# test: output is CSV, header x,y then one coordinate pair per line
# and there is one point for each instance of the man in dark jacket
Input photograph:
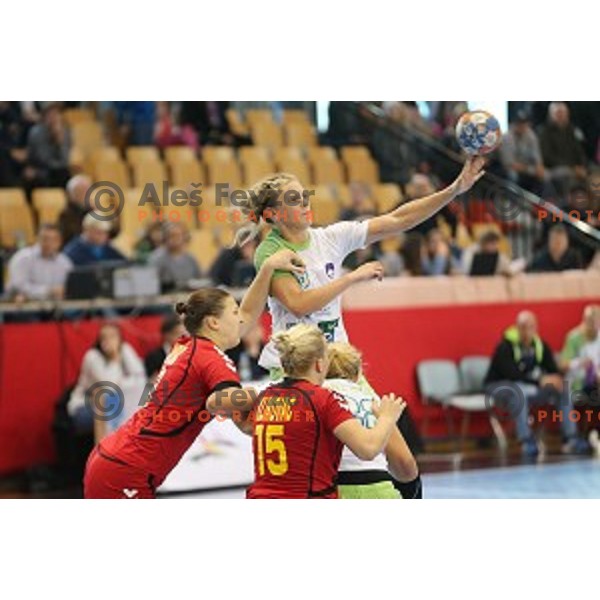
x,y
522,373
92,246
562,151
557,256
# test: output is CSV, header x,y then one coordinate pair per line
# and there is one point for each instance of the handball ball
x,y
478,132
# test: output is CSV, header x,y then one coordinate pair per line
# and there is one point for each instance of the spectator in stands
x,y
170,330
176,266
209,121
521,155
39,272
114,361
153,239
561,149
136,121
12,151
167,130
523,373
436,258
72,216
557,256
245,355
412,253
489,243
580,356
421,185
48,147
361,206
234,267
92,245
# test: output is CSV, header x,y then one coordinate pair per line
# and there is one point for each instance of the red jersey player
x,y
299,428
134,461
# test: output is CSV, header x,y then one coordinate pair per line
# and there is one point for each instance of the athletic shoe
x,y
576,445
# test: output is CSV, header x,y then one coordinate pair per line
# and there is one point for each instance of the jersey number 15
x,y
269,442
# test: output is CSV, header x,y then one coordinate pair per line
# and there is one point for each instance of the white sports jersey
x,y
323,255
359,400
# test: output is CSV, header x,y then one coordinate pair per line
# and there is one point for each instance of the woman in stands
x,y
391,473
299,428
110,359
196,376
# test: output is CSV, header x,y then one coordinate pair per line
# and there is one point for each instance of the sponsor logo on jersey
x,y
330,270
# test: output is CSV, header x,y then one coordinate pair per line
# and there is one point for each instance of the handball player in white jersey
x,y
315,296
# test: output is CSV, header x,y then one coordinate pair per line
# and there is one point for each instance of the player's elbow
x,y
366,449
297,306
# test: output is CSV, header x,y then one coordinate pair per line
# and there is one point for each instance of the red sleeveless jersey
x,y
158,434
296,454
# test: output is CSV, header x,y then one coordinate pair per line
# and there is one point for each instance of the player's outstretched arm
x,y
412,213
303,302
365,443
255,298
231,401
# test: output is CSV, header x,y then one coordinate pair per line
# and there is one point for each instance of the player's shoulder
x,y
267,247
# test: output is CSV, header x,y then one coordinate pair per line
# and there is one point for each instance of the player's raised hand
x,y
471,173
368,271
390,407
286,260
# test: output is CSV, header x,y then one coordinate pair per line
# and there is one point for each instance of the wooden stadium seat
x,y
295,116
254,152
114,171
102,154
203,247
327,171
184,173
179,154
73,116
211,154
87,136
236,123
363,170
11,197
324,206
136,155
267,134
387,196
350,153
256,116
49,203
256,168
288,153
135,217
153,172
300,134
224,172
295,166
185,214
320,153
77,160
16,225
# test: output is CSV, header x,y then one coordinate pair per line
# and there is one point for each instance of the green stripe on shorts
x,y
383,490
